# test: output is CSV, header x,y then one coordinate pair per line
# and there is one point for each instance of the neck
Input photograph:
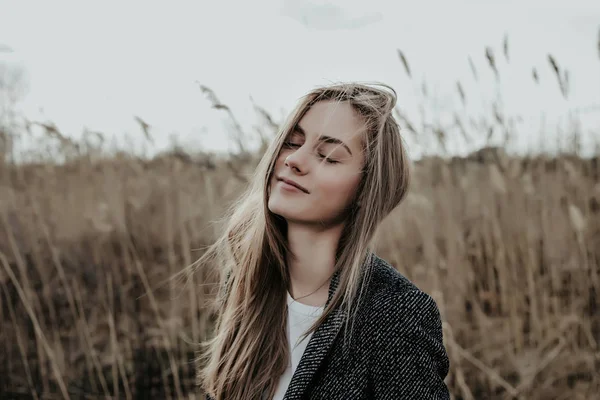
x,y
313,261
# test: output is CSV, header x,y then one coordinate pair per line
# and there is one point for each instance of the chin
x,y
287,212
282,211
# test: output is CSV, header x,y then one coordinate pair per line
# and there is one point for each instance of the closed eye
x,y
296,145
292,145
329,160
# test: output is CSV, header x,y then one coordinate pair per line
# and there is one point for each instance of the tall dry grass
x,y
508,246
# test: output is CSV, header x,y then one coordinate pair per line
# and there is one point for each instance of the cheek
x,y
279,165
339,188
280,162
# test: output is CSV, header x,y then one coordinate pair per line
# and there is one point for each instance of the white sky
x,y
99,64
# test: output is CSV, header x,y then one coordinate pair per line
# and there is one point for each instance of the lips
x,y
291,182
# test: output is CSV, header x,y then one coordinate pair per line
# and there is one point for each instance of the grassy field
x,y
508,246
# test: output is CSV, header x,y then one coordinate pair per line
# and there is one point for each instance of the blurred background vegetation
x,y
507,244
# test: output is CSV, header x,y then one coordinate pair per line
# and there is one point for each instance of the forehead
x,y
333,118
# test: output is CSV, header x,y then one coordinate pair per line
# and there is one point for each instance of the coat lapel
x,y
317,348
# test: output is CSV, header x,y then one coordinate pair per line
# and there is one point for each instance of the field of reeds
x,y
509,247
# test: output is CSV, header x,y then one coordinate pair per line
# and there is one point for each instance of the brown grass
x,y
509,249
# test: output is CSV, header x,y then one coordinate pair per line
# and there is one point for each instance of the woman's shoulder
x,y
405,345
386,281
394,297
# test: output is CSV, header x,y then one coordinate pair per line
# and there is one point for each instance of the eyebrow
x,y
324,138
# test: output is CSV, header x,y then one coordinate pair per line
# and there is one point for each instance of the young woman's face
x,y
324,155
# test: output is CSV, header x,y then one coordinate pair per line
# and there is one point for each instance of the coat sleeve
x,y
410,361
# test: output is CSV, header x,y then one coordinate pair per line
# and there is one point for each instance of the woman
x,y
306,310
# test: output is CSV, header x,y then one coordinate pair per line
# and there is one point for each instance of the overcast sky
x,y
97,65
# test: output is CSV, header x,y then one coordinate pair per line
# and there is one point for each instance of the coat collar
x,y
317,348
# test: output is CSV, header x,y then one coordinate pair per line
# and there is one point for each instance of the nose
x,y
296,161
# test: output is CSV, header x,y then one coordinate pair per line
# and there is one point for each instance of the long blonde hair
x,y
249,351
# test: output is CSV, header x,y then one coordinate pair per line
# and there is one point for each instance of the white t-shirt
x,y
300,318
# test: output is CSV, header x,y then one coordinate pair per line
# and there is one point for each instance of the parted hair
x,y
249,350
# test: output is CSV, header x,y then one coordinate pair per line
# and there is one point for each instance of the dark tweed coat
x,y
395,350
